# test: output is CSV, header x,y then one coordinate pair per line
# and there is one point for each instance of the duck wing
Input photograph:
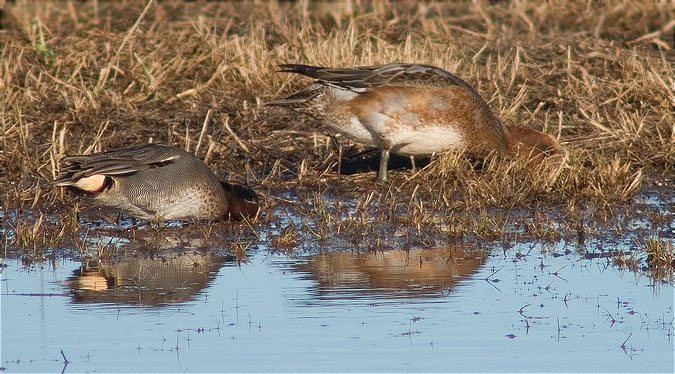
x,y
359,79
123,161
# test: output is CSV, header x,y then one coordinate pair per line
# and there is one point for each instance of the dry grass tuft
x,y
660,258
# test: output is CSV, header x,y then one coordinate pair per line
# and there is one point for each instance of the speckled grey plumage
x,y
156,182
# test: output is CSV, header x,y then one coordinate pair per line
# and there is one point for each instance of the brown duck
x,y
411,110
156,182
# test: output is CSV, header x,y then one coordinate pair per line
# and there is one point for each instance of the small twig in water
x,y
623,345
558,320
493,273
65,360
521,311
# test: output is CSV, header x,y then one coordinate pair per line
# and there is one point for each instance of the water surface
x,y
534,307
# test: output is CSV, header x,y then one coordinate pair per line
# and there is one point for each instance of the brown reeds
x,y
92,76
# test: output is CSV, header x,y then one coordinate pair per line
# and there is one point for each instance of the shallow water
x,y
130,299
525,308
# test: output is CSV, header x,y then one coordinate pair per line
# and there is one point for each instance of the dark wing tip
x,y
64,181
308,70
292,67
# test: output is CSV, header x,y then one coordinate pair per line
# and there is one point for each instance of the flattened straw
x,y
227,127
201,134
106,71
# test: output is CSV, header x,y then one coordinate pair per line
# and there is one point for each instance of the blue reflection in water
x,y
449,309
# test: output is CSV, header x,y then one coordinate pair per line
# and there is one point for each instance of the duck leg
x,y
384,160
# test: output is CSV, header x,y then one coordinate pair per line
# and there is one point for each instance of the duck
x,y
154,182
410,110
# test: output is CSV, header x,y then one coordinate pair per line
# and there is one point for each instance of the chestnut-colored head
x,y
531,144
242,201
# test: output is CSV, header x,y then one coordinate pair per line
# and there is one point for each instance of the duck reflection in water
x,y
169,279
391,273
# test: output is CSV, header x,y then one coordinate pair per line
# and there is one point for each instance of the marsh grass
x,y
84,77
660,257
